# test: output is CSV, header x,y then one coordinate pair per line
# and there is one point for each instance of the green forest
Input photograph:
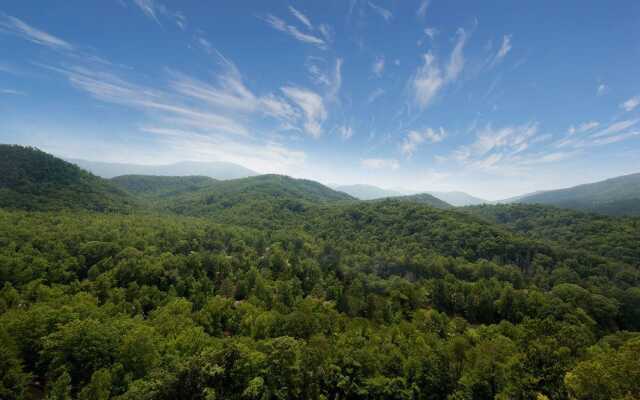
x,y
271,287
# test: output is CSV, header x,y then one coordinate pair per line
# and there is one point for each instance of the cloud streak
x,y
430,78
383,12
631,104
17,27
312,107
280,25
415,138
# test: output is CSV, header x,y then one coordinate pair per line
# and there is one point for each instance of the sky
x,y
494,98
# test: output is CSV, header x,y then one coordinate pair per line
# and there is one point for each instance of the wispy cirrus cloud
x,y
584,127
378,66
505,150
427,81
415,138
12,92
422,9
312,106
154,9
380,163
631,104
383,12
301,17
345,131
601,89
430,78
14,26
456,60
293,31
616,127
504,49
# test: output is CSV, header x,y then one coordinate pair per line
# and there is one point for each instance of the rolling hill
x,y
259,201
215,170
34,180
422,198
615,196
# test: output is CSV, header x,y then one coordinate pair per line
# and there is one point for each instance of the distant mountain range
x,y
615,196
370,192
216,170
34,180
367,192
458,199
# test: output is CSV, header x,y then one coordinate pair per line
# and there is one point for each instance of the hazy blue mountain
x,y
615,196
216,170
458,199
366,192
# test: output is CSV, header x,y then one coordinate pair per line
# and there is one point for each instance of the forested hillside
x,y
276,288
616,196
423,198
34,180
162,186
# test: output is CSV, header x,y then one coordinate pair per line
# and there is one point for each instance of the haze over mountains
x,y
216,170
616,196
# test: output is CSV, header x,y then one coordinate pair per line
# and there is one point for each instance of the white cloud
x,y
616,138
631,104
616,127
12,92
265,156
422,9
427,81
345,131
311,105
148,7
301,17
336,83
294,32
429,78
414,138
378,66
383,12
584,127
375,95
15,26
431,32
501,146
456,61
326,32
504,48
602,89
380,163
153,9
199,120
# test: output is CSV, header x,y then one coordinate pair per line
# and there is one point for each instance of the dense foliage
x,y
617,196
423,198
162,186
34,180
615,238
274,288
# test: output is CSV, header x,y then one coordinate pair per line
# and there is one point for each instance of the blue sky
x,y
494,98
